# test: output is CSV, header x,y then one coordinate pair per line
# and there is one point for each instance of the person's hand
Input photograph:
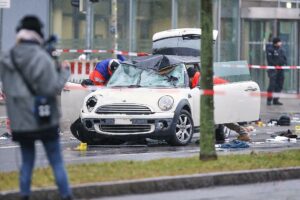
x,y
87,82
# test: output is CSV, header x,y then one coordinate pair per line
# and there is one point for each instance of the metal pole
x,y
114,24
89,27
174,13
1,28
132,25
239,31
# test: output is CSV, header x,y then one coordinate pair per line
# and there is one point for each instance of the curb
x,y
162,184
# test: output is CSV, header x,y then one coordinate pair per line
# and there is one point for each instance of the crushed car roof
x,y
161,62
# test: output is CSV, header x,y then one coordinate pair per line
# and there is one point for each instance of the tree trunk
x,y
207,129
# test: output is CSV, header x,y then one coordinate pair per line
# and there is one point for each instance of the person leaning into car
x,y
194,77
275,57
31,102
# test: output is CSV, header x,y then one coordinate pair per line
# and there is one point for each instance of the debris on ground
x,y
281,139
5,136
81,147
234,144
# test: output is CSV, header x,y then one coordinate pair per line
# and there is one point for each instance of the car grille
x,y
128,109
117,129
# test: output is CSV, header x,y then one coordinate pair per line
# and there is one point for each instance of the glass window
x,y
234,71
229,30
131,76
188,14
152,16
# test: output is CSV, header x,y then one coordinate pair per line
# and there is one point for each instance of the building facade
x,y
245,26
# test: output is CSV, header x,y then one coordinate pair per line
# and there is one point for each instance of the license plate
x,y
123,121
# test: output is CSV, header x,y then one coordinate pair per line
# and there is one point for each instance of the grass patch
x,y
127,170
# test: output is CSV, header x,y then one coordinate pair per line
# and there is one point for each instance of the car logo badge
x,y
124,101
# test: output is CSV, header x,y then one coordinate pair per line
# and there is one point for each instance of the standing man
x,y
275,57
31,81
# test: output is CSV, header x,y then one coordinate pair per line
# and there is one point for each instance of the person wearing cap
x,y
194,78
275,57
103,71
29,74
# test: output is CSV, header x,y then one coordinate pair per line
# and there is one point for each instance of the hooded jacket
x,y
41,72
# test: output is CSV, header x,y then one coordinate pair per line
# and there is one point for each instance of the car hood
x,y
143,96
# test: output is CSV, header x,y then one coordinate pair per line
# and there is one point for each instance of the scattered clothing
x,y
235,144
287,134
281,139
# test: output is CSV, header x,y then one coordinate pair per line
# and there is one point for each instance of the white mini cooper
x,y
151,97
147,98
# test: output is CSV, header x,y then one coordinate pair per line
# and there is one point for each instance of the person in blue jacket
x,y
103,71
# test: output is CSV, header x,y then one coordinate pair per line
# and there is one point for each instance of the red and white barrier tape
x,y
258,66
273,67
124,53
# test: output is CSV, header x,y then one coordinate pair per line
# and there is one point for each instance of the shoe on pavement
x,y
244,137
269,103
277,103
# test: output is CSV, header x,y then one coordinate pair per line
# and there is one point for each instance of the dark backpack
x,y
284,121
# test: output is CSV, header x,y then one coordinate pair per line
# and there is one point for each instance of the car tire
x,y
183,129
85,136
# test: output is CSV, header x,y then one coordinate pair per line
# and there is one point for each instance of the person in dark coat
x,y
275,57
31,81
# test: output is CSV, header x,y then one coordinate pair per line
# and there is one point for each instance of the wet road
x,y
10,157
281,190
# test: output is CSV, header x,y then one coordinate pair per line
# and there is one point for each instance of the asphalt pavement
x,y
10,157
279,190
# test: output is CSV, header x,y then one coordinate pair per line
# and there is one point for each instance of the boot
x,y
269,101
25,198
244,138
276,102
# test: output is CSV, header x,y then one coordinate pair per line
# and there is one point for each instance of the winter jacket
x,y
276,56
41,72
101,73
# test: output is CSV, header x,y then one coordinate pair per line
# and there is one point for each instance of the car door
x,y
234,101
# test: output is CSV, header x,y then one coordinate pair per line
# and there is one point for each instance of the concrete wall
x,y
18,9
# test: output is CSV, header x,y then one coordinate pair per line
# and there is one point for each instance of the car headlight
x,y
91,103
165,103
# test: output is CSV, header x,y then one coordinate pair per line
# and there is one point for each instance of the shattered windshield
x,y
131,76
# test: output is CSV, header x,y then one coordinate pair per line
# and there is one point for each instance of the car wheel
x,y
80,133
183,131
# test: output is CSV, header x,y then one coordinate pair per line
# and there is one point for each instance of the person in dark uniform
x,y
275,57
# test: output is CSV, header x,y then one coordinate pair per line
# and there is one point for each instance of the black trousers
x,y
276,78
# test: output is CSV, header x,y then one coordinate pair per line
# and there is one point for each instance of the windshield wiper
x,y
134,86
172,79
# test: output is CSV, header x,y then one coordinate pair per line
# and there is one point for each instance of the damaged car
x,y
151,97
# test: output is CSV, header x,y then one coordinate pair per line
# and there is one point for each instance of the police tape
x,y
232,65
137,54
273,67
124,53
74,86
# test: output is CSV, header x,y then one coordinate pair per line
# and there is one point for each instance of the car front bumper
x,y
154,126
